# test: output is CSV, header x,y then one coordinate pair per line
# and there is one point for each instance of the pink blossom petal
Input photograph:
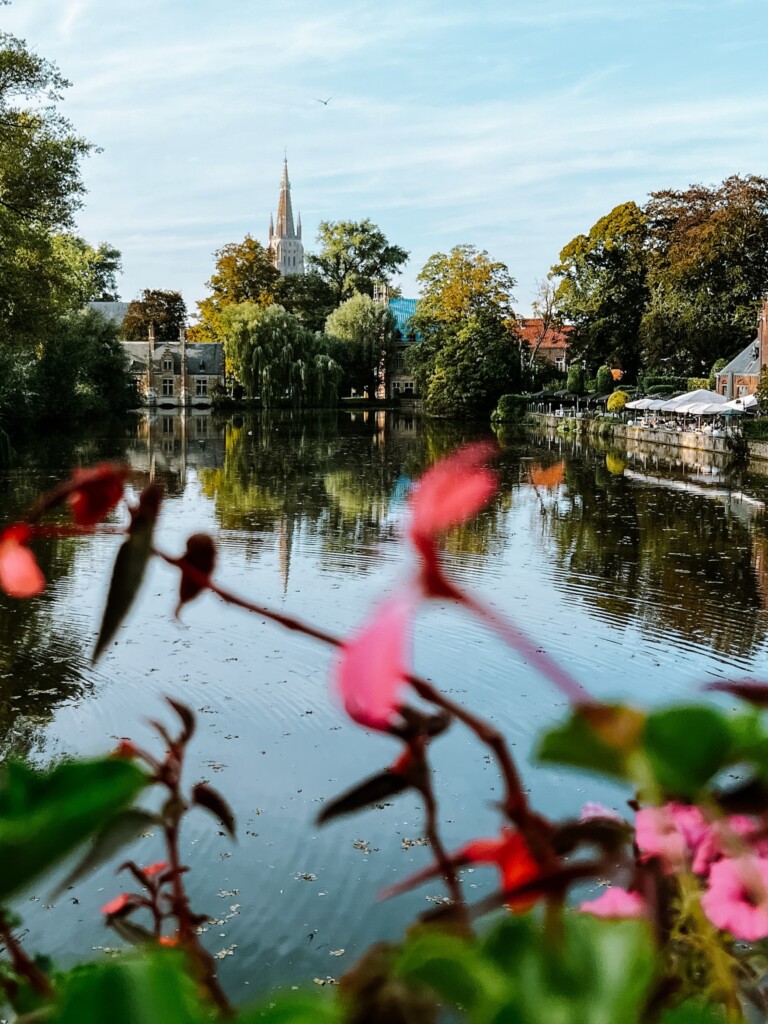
x,y
615,902
20,575
663,832
592,810
372,667
737,897
724,837
453,490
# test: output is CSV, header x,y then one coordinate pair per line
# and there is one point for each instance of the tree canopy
x,y
275,358
464,283
353,257
365,331
243,272
163,309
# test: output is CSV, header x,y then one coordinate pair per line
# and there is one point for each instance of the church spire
x,y
285,228
284,240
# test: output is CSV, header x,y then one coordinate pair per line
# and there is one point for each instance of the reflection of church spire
x,y
284,545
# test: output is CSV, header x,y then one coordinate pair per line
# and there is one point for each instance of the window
x,y
167,362
167,424
399,361
202,426
409,387
742,389
201,386
560,363
395,388
167,387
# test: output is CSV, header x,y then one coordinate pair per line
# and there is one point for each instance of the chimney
x,y
151,337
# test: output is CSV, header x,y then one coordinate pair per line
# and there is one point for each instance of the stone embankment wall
x,y
619,431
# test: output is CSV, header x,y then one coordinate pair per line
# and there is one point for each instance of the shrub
x,y
575,382
510,407
697,384
617,401
651,380
604,380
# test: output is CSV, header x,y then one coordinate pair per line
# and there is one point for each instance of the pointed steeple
x,y
284,240
285,228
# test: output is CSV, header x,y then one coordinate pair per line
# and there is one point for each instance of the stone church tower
x,y
285,240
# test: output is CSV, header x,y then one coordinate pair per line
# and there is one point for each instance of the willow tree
x,y
275,358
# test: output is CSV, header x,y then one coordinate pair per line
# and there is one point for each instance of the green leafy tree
x,y
353,257
244,272
87,274
478,363
463,283
275,358
40,190
364,331
308,296
602,288
707,271
163,309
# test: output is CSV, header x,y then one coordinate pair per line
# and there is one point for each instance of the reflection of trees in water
x,y
671,560
41,659
333,476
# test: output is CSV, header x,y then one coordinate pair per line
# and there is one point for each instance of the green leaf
x,y
694,1011
597,972
296,1009
149,989
108,841
686,746
457,971
576,743
130,565
45,815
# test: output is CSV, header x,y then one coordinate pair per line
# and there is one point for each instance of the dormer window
x,y
167,362
202,364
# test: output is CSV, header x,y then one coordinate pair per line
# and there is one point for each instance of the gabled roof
x,y
202,357
530,331
746,363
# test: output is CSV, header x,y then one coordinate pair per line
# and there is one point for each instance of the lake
x,y
645,575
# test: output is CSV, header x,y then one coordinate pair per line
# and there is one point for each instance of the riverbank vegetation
x,y
55,360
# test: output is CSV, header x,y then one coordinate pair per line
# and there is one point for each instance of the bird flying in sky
x,y
326,102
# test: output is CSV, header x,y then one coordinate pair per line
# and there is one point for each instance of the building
x,y
742,375
169,373
284,239
398,382
550,345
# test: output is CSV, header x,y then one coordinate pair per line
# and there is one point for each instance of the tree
x,y
308,296
465,304
274,357
40,190
353,257
603,290
717,366
163,309
477,364
244,272
575,383
707,271
365,331
460,285
546,312
89,275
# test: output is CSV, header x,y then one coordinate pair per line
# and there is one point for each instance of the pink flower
x,y
670,833
372,668
592,810
20,575
737,897
452,491
722,839
615,902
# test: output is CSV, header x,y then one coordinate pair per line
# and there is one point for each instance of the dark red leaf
x,y
750,690
130,565
201,557
187,717
609,835
90,491
207,797
370,791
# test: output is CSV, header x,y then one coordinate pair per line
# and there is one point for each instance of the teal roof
x,y
402,310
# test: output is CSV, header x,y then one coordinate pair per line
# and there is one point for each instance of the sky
x,y
511,125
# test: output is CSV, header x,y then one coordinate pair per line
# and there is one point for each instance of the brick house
x,y
552,343
175,373
742,375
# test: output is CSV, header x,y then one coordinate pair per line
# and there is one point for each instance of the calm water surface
x,y
646,579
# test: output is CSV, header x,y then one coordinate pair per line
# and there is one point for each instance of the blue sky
x,y
509,124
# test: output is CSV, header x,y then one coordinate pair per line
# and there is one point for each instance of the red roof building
x,y
552,343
